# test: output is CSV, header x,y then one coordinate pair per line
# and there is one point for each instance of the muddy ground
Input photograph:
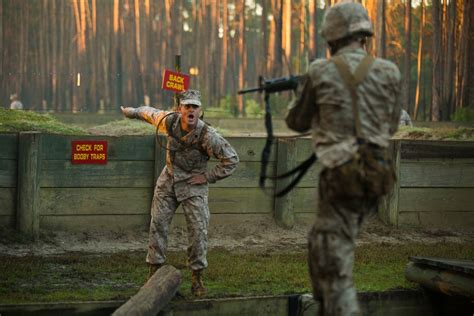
x,y
262,237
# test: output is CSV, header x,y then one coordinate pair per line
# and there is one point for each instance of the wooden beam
x,y
154,295
29,165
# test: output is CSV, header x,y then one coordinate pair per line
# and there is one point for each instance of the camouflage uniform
x,y
187,155
324,94
405,119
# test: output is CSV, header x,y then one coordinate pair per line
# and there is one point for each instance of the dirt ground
x,y
262,237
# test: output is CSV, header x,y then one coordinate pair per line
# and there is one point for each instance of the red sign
x,y
92,152
174,81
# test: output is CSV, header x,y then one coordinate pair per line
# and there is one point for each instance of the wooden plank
x,y
446,220
130,201
311,178
305,200
121,174
408,219
58,147
29,164
245,176
7,221
120,223
304,148
8,173
9,146
95,223
454,265
436,199
437,149
142,147
7,201
95,201
60,173
437,173
250,148
241,201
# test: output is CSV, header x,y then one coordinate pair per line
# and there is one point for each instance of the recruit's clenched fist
x,y
129,112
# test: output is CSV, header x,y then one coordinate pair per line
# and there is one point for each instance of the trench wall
x,y
40,188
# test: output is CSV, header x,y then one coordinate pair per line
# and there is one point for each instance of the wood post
x,y
154,295
286,160
29,167
388,206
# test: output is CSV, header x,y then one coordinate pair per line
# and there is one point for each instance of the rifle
x,y
269,86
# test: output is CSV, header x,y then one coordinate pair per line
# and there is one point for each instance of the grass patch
x,y
14,121
79,277
441,133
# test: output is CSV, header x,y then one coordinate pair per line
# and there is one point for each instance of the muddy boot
x,y
152,269
197,287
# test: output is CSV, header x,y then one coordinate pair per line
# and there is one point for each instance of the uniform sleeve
x,y
302,108
219,147
150,115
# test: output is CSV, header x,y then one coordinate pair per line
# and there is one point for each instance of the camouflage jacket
x,y
187,154
323,103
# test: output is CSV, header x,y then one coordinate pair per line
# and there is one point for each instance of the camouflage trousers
x,y
197,215
331,244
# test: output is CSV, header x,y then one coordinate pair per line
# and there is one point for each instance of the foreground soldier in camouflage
x,y
352,104
184,180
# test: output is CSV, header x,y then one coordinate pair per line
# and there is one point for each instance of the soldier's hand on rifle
x,y
197,179
129,112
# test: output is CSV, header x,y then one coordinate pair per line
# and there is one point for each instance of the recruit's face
x,y
189,116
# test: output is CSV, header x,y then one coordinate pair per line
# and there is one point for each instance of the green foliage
x,y
441,133
19,121
81,277
124,127
463,115
252,108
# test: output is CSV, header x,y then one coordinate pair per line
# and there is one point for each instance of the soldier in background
x,y
352,104
184,180
405,119
16,104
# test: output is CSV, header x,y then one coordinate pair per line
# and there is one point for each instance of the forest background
x,y
97,55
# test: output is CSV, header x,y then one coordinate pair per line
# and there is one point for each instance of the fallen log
x,y
154,295
450,277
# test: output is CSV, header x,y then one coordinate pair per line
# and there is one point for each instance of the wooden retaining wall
x,y
39,187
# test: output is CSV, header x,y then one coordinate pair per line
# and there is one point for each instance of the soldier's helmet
x,y
345,19
190,97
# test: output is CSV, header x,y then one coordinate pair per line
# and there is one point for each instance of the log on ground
x,y
154,295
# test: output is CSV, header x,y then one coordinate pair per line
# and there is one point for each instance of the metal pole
x,y
177,68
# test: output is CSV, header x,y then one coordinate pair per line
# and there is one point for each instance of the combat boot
x,y
152,269
197,286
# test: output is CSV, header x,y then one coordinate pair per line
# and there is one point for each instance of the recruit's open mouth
x,y
191,116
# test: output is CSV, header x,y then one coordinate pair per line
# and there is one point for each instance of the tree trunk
x,y
224,49
436,84
407,58
277,10
419,60
380,29
286,34
240,9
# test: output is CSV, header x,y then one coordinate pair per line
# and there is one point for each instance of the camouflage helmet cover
x,y
190,97
345,19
